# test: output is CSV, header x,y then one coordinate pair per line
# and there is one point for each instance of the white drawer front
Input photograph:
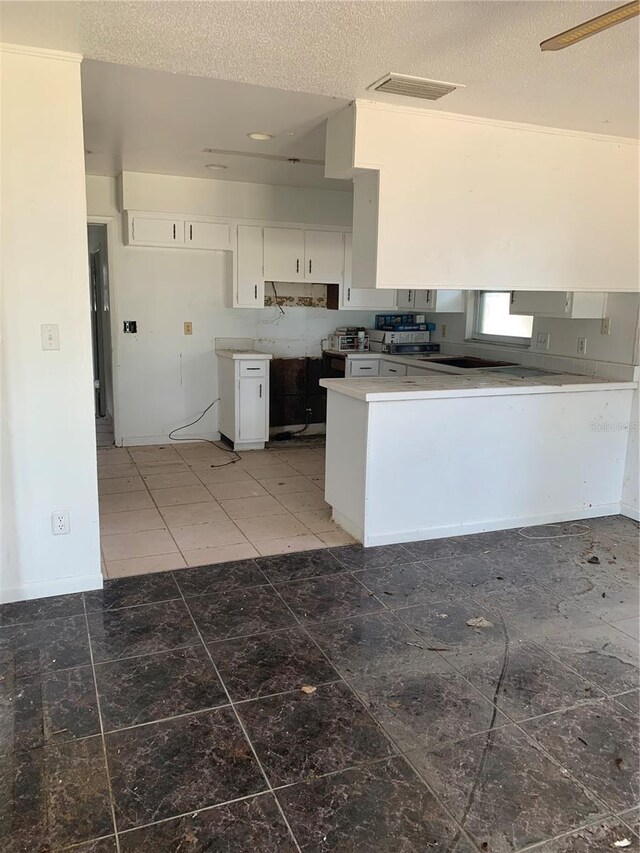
x,y
253,368
364,367
390,368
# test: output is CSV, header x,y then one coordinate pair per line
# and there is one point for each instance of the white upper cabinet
x,y
436,301
359,297
154,230
249,287
323,257
561,303
199,234
284,254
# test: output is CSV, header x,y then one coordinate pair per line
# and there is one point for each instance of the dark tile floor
x,y
472,694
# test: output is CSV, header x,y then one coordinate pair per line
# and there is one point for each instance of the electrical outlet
x,y
582,346
443,330
605,326
188,328
543,339
60,523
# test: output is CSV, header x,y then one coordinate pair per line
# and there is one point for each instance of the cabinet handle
x,y
261,390
253,368
297,264
255,291
410,296
174,230
513,296
364,368
191,232
309,265
348,294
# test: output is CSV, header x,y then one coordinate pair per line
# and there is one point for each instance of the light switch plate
x,y
50,335
188,328
542,340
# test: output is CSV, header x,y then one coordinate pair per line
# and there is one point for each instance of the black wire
x,y
275,293
207,440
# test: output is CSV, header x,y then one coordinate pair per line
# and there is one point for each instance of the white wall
x,y
48,431
466,202
163,378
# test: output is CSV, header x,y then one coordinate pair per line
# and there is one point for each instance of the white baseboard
x,y
485,526
142,440
630,511
47,588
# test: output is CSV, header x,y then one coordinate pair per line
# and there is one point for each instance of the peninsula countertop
x,y
390,389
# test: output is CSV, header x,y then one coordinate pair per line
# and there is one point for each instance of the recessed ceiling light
x,y
214,166
259,135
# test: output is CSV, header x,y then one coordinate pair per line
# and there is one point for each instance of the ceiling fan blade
x,y
593,26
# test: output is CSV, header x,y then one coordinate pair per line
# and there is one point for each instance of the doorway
x,y
101,331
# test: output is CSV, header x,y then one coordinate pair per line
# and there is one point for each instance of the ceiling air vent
x,y
413,87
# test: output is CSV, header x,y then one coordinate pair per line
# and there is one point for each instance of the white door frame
x,y
110,222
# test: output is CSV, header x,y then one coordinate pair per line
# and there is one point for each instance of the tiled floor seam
x,y
540,845
399,753
242,726
112,803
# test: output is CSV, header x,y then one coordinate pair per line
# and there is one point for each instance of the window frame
x,y
484,337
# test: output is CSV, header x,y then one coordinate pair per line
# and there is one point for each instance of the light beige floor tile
x,y
253,507
336,537
288,485
112,455
258,456
154,453
131,522
304,501
147,543
269,469
201,450
288,545
147,468
119,485
196,536
309,468
171,481
249,488
318,479
125,502
223,554
120,469
181,495
271,527
317,520
225,474
185,514
144,565
293,456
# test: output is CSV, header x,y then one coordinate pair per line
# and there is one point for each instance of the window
x,y
493,321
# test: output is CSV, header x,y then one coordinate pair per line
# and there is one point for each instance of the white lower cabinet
x,y
393,368
362,367
243,387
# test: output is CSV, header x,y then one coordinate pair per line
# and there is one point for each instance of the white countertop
x,y
479,384
243,353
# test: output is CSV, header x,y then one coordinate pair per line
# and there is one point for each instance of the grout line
x,y
242,726
112,803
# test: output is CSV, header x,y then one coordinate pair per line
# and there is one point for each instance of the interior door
x,y
283,254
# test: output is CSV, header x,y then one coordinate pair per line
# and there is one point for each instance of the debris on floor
x,y
308,689
479,622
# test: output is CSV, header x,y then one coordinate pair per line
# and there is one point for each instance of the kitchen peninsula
x,y
429,457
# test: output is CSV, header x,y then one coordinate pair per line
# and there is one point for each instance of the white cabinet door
x,y
392,368
573,306
323,256
252,409
283,254
361,298
249,290
406,299
206,235
155,231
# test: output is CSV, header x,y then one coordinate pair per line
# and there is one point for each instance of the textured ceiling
x,y
339,48
151,121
